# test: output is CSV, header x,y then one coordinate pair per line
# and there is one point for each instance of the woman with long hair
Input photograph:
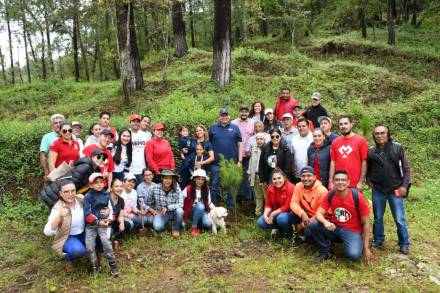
x,y
122,154
257,111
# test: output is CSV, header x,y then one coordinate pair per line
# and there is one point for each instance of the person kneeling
x,y
349,221
165,202
197,202
277,213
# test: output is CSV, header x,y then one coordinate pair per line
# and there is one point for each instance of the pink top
x,y
246,129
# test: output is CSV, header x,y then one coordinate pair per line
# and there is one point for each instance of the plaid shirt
x,y
157,198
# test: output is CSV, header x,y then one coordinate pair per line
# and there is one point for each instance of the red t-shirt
x,y
66,152
344,213
159,155
279,198
348,154
282,107
88,153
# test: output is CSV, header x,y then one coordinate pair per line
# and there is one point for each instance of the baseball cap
x,y
287,115
316,96
95,176
129,176
99,153
223,111
269,110
307,169
320,118
158,126
244,107
76,123
107,131
135,117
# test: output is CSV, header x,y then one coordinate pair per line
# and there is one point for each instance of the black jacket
x,y
312,113
388,168
284,161
80,177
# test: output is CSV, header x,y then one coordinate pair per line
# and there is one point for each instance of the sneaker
x,y
298,241
69,266
376,244
323,256
175,234
404,250
113,269
194,231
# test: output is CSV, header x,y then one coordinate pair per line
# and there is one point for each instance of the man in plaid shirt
x,y
165,203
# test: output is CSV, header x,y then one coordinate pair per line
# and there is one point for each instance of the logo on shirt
x,y
345,150
272,161
342,215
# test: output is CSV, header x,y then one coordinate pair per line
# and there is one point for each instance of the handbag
x,y
59,171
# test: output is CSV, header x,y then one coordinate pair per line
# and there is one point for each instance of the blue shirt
x,y
224,140
47,141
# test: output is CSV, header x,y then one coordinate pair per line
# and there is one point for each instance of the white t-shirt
x,y
124,158
77,225
300,145
130,200
138,141
198,197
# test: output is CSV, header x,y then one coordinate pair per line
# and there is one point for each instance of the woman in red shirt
x,y
64,149
277,213
158,151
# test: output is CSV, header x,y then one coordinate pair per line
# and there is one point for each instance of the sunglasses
x,y
101,157
274,136
67,130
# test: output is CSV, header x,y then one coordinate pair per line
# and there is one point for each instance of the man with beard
x,y
307,197
226,140
285,104
349,152
389,174
246,127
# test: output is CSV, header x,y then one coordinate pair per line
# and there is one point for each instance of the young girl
x,y
184,142
195,159
94,131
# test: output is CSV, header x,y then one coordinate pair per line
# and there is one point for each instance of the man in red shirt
x,y
349,222
104,121
349,152
104,140
285,104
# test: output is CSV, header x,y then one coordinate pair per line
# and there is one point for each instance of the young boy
x,y
254,180
98,212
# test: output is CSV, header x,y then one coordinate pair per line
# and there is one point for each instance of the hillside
x,y
374,82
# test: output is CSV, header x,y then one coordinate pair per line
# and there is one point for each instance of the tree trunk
x,y
414,13
264,26
390,23
109,44
362,23
10,45
19,71
131,72
179,34
221,65
49,45
28,67
405,10
145,18
83,49
99,57
43,57
31,46
157,30
2,61
75,47
191,25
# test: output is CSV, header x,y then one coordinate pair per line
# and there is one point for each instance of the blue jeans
x,y
283,221
176,216
397,210
215,182
353,243
74,246
245,187
138,221
199,215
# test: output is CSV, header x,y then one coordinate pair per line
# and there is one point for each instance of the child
x,y
184,142
98,212
254,179
130,196
197,159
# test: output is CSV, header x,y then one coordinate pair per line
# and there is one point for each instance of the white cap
x,y
269,110
200,173
129,176
287,115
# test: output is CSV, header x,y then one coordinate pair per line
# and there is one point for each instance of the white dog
x,y
217,217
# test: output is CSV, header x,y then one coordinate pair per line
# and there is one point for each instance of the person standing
x,y
318,156
257,111
349,152
48,140
298,113
285,104
252,172
158,151
389,174
325,123
64,149
246,127
226,140
315,110
139,140
269,122
288,132
349,222
300,144
77,129
104,121
145,123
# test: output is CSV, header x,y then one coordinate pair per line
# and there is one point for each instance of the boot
x,y
113,269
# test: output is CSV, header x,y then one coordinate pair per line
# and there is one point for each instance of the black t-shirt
x,y
118,206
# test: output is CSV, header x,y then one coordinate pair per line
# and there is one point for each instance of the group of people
x,y
305,180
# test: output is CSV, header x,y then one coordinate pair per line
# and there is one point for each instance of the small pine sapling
x,y
231,177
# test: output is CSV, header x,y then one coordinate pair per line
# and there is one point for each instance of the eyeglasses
x,y
67,130
100,157
274,136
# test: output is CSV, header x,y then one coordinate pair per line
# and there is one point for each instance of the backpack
x,y
355,194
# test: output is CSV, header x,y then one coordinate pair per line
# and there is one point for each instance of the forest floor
x,y
366,78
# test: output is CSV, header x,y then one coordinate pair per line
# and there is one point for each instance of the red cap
x,y
135,117
158,126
